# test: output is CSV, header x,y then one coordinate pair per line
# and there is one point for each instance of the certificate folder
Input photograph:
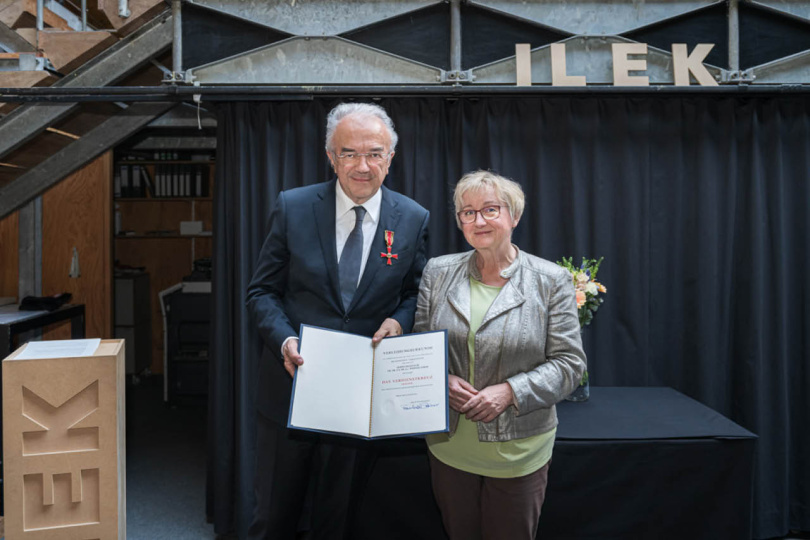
x,y
347,386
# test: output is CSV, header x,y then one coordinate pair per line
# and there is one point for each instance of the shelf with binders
x,y
163,194
161,180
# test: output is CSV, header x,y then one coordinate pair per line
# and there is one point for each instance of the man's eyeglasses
x,y
488,213
372,158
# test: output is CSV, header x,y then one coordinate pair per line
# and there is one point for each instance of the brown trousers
x,y
478,507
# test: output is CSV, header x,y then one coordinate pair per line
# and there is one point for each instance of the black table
x,y
630,463
14,322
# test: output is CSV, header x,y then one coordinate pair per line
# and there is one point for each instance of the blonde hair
x,y
508,191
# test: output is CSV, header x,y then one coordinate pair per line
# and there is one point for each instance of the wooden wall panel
x,y
204,212
9,255
145,216
167,260
76,212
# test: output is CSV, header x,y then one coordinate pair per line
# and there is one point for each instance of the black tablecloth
x,y
648,463
630,463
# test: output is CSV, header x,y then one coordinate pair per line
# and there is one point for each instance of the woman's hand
x,y
489,403
460,392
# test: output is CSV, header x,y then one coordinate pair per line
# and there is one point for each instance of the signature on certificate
x,y
419,406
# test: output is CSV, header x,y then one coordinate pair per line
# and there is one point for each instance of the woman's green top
x,y
463,451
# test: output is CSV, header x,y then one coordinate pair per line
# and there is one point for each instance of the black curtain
x,y
699,205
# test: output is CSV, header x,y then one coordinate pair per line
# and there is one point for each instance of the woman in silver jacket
x,y
514,351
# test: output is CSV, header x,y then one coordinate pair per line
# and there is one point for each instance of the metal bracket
x,y
737,77
457,76
173,77
747,76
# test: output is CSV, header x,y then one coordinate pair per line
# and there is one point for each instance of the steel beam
x,y
40,17
733,36
594,17
110,66
30,250
185,116
12,41
316,18
799,10
177,143
793,69
107,135
177,42
301,93
315,61
455,35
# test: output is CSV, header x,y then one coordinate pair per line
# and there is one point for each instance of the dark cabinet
x,y
133,319
188,326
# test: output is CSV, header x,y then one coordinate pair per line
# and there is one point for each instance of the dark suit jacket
x,y
296,279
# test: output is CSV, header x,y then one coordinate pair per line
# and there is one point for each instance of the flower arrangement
x,y
588,301
587,288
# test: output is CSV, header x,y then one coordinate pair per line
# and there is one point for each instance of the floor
x,y
165,466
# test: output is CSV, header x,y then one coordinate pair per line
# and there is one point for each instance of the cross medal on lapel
x,y
389,241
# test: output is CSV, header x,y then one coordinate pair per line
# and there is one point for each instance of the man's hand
x,y
291,357
489,403
460,392
389,327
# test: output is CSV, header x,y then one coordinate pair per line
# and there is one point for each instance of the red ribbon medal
x,y
389,241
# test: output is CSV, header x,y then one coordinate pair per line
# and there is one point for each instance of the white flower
x,y
591,289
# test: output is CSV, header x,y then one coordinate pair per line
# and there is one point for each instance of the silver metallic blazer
x,y
529,337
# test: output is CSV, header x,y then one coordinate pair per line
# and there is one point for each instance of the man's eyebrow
x,y
374,149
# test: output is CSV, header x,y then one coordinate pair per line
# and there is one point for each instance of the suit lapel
x,y
324,210
389,217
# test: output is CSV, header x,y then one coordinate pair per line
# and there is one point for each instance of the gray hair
x,y
360,109
508,191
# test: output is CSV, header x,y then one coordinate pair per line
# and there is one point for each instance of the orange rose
x,y
602,288
580,299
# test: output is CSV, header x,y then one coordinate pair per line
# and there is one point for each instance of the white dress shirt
x,y
345,219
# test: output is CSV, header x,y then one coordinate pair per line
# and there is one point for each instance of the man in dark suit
x,y
325,263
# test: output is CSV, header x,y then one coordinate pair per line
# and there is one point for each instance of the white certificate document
x,y
347,386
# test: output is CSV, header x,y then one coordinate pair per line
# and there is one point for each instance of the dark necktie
x,y
350,259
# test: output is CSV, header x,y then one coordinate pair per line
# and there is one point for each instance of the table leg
x,y
77,326
6,342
